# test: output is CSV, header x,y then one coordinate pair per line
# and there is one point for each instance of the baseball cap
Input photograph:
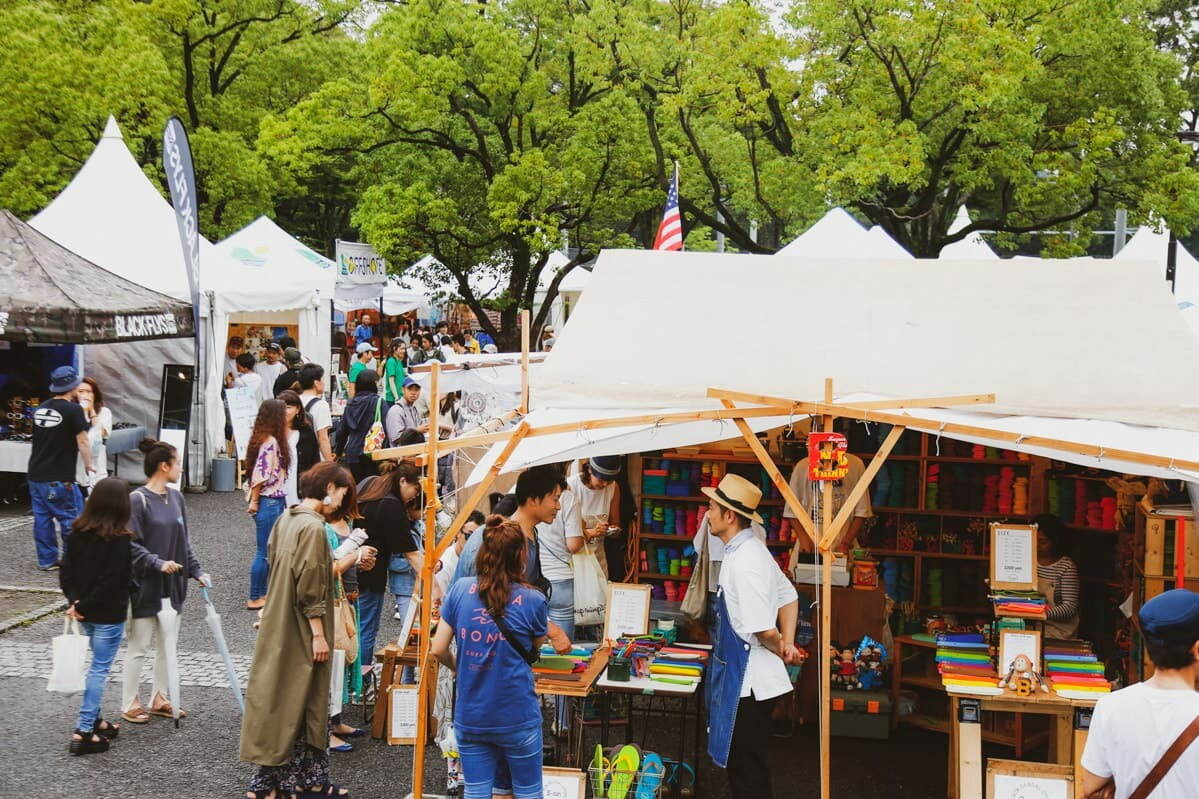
x,y
366,346
273,346
235,341
63,379
409,381
1172,617
292,355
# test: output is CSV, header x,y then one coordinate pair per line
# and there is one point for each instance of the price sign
x,y
628,610
1013,557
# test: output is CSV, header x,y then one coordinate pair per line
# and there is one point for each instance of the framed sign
x,y
402,715
828,456
1017,779
563,783
628,610
1013,643
410,617
243,409
1013,557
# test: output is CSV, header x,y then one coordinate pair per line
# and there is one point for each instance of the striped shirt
x,y
1063,605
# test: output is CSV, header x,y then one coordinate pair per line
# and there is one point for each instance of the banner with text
x,y
361,272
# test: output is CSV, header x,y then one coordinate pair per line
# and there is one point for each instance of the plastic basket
x,y
595,778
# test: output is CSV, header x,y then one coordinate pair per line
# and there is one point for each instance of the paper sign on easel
x,y
402,715
243,408
1013,557
628,610
1016,779
410,617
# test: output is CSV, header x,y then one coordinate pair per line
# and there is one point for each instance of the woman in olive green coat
x,y
285,730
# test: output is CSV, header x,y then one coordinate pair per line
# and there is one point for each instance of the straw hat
x,y
738,495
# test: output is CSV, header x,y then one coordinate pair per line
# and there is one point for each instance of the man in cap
x,y
1147,728
269,369
757,608
405,413
364,359
59,435
291,375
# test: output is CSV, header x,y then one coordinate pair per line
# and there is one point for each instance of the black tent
x,y
50,295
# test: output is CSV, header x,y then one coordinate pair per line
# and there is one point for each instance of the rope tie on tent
x,y
1099,457
940,430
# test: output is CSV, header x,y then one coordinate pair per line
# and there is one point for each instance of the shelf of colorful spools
x,y
700,498
952,512
919,553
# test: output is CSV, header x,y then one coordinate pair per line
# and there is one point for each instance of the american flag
x,y
670,232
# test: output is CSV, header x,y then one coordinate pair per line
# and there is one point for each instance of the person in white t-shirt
x,y
449,559
233,348
246,377
1132,728
753,587
312,396
269,369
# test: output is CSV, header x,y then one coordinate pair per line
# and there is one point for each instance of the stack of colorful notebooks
x,y
1073,669
1019,604
964,662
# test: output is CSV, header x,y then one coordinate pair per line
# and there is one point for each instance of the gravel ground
x,y
200,759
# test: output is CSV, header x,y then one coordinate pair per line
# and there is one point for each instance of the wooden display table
x,y
546,685
1067,736
392,658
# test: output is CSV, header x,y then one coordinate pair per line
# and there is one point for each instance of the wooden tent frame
x,y
827,538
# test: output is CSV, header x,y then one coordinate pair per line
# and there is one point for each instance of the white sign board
x,y
1013,643
1013,557
359,264
563,783
1009,786
628,610
243,408
402,715
178,440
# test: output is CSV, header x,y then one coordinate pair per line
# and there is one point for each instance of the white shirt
x,y
1130,731
754,586
252,381
449,562
322,418
551,539
290,486
96,435
268,372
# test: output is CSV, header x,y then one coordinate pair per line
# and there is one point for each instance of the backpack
x,y
308,451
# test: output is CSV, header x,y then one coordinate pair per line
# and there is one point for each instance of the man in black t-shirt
x,y
59,435
291,375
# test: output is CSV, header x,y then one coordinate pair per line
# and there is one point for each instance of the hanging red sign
x,y
828,456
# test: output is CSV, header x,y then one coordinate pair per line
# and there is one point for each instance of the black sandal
x,y
89,742
109,730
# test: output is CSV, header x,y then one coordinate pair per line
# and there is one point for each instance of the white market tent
x,y
971,248
884,245
569,290
839,235
114,216
1050,339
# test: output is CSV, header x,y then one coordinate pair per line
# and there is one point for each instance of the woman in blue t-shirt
x,y
500,751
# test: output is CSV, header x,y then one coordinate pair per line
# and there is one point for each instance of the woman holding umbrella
x,y
162,561
285,729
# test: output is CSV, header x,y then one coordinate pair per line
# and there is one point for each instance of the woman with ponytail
x,y
163,560
268,459
499,622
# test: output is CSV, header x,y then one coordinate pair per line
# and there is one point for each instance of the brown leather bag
x,y
1159,771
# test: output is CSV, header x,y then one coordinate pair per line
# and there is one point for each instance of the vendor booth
x,y
984,401
53,299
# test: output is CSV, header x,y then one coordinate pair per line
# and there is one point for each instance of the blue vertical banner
x,y
181,181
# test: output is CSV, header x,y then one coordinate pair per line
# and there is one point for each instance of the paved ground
x,y
200,759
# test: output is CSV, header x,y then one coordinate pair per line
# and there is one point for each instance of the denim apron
x,y
726,675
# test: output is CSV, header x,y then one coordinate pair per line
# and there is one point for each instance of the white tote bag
x,y
591,587
337,680
69,673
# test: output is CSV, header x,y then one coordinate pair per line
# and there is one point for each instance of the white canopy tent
x,y
1149,245
884,245
839,235
1057,353
569,290
971,248
113,215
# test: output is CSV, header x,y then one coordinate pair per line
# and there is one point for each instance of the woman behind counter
x,y
285,729
1057,578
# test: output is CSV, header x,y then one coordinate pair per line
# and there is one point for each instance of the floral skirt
x,y
308,768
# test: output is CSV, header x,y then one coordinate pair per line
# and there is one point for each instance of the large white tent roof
x,y
1062,345
114,216
264,268
838,235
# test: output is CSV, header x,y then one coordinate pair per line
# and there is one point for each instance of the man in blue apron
x,y
750,653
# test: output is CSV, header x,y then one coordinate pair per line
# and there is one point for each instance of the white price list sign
x,y
628,610
1013,557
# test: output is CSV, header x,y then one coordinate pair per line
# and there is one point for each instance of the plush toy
x,y
1023,676
846,672
870,675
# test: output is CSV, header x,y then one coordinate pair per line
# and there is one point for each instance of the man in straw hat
x,y
749,669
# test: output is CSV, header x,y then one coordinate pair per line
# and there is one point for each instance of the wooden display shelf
x,y
701,498
667,456
923,681
1080,529
900,553
926,721
660,576
971,514
947,459
666,537
960,609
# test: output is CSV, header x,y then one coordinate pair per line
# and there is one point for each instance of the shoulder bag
x,y
695,601
1159,771
524,652
345,628
375,437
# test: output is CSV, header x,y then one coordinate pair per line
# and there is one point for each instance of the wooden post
x,y
826,617
834,538
427,684
524,361
1180,552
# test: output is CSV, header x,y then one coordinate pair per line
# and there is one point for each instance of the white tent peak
x,y
829,235
971,248
884,245
111,129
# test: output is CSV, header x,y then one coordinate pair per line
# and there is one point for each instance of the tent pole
x,y
833,538
826,616
524,361
427,679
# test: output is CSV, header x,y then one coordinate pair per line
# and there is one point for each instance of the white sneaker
x,y
398,617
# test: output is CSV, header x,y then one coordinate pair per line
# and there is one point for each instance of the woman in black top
x,y
95,580
384,502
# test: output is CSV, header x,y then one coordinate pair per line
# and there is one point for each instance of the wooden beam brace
x,y
975,431
776,477
480,491
427,680
926,402
833,538
472,440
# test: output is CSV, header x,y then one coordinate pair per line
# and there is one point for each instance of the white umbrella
x,y
214,625
168,642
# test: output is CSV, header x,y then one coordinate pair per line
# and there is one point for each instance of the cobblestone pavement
x,y
200,758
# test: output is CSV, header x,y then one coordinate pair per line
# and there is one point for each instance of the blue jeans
x,y
105,640
507,762
562,613
52,502
370,606
269,510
